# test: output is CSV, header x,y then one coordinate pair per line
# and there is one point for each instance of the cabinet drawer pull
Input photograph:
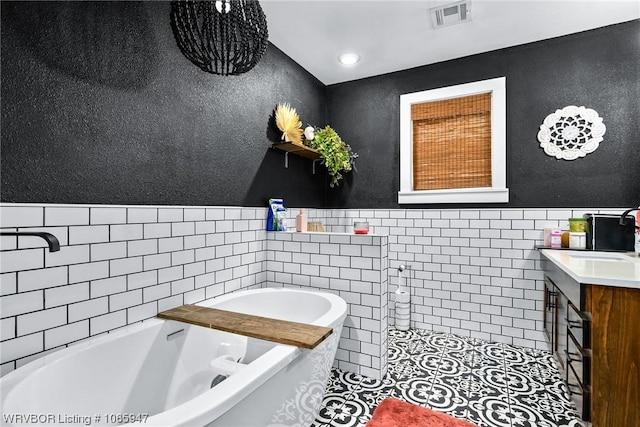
x,y
551,295
579,383
585,317
583,352
578,390
570,357
575,389
573,324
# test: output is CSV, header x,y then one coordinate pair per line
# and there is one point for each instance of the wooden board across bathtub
x,y
265,328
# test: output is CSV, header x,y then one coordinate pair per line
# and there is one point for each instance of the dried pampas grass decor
x,y
289,123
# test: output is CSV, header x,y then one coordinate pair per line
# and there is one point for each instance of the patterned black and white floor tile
x,y
488,384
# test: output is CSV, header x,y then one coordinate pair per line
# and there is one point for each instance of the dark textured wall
x,y
598,69
100,106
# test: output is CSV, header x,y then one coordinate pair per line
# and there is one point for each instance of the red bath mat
x,y
396,413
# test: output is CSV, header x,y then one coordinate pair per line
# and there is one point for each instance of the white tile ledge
x,y
323,233
98,205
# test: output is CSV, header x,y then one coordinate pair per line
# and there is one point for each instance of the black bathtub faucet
x,y
52,241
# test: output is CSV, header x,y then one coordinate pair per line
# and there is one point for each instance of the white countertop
x,y
598,268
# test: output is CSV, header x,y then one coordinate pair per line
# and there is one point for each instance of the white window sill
x,y
459,195
498,192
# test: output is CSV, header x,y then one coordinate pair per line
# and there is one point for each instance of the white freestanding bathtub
x,y
167,373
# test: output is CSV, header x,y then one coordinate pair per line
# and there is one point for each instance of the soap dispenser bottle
x,y
301,221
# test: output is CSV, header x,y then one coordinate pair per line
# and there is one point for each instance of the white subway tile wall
x,y
472,272
351,266
117,265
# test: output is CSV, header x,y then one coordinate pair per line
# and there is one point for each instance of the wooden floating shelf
x,y
298,149
265,328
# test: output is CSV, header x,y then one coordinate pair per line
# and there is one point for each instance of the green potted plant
x,y
337,155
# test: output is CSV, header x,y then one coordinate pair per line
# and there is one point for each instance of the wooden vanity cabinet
x,y
594,333
615,360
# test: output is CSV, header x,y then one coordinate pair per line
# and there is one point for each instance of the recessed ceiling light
x,y
349,58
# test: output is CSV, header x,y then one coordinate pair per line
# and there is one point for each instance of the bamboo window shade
x,y
452,143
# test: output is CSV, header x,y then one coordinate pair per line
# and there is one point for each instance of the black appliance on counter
x,y
605,233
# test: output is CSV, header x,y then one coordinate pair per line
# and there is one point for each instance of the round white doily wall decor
x,y
571,132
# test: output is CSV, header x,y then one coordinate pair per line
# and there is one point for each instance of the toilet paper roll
x,y
402,296
402,310
402,324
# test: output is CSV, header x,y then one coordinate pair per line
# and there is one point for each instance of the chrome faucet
x,y
52,241
625,213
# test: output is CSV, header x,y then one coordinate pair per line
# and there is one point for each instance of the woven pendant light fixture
x,y
226,37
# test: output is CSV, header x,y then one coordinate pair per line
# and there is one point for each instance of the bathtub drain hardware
x,y
226,365
174,335
217,380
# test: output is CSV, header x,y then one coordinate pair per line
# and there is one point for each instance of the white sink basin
x,y
604,256
601,256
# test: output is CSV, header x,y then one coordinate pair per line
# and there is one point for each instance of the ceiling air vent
x,y
452,13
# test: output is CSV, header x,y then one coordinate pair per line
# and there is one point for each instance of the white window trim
x,y
498,192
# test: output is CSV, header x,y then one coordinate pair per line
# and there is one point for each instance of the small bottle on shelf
x,y
301,221
556,238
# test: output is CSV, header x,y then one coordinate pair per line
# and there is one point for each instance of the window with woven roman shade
x,y
452,144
